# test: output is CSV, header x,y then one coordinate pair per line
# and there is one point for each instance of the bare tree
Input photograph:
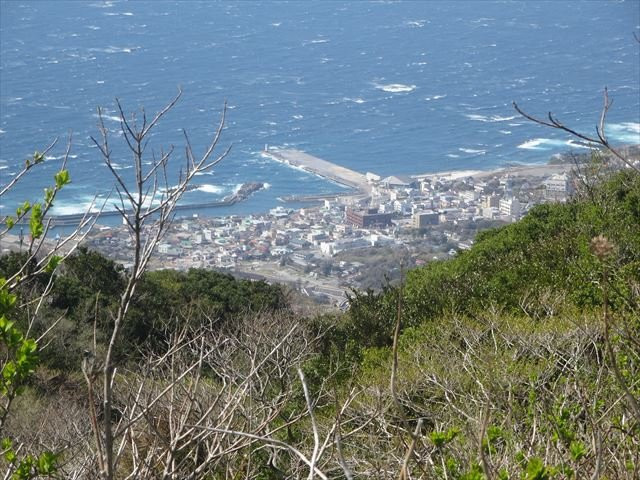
x,y
147,204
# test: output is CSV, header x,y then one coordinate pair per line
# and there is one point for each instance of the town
x,y
359,240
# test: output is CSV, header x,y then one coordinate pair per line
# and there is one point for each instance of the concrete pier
x,y
318,166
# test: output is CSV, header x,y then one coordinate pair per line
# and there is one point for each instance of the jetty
x,y
318,166
244,192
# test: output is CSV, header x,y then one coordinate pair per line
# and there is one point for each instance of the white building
x,y
372,177
510,207
558,187
469,196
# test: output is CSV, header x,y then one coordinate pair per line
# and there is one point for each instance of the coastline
x,y
540,170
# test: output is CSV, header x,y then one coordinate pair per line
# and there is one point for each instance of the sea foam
x,y
396,88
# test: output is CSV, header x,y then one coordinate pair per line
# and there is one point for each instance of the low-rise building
x,y
510,207
368,218
425,218
558,187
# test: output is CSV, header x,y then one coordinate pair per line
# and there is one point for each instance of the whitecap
x,y
112,118
473,150
490,119
266,186
298,117
627,132
396,88
275,24
578,144
74,207
534,144
550,143
208,188
415,23
117,166
505,132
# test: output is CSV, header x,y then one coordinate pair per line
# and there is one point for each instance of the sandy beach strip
x,y
542,170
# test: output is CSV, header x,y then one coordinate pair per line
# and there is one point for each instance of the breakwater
x,y
73,219
330,171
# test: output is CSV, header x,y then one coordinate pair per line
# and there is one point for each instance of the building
x,y
491,201
368,218
510,207
332,248
372,177
399,181
558,187
469,196
424,219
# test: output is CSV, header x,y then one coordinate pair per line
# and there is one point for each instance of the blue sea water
x,y
387,87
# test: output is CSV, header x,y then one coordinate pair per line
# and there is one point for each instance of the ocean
x,y
386,87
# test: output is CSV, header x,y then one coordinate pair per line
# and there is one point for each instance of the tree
x,y
146,203
20,351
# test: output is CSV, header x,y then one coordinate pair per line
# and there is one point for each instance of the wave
x,y
117,166
77,206
550,144
105,116
59,157
490,119
396,88
415,23
112,49
208,188
315,41
627,132
473,150
118,14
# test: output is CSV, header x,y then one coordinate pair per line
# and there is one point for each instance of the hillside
x,y
518,358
